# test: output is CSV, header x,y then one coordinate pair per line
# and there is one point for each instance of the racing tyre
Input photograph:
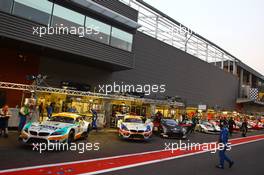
x,y
85,134
161,133
70,137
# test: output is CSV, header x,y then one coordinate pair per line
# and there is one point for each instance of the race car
x,y
171,129
186,123
214,123
207,127
256,125
134,127
60,128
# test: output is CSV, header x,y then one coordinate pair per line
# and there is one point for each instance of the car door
x,y
83,126
78,126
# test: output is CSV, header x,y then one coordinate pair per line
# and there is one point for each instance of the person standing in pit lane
x,y
222,153
244,127
194,122
183,117
41,111
50,109
4,117
23,115
231,124
223,121
94,119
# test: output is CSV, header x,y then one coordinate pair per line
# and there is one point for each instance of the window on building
x,y
121,39
97,30
6,5
38,11
67,17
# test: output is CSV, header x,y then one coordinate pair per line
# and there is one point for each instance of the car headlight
x,y
184,130
59,132
148,129
165,130
123,127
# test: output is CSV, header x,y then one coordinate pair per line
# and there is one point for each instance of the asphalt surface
x,y
248,158
248,161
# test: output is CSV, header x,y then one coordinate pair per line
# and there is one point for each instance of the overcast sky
x,y
235,25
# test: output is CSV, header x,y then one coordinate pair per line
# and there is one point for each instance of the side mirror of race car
x,y
150,123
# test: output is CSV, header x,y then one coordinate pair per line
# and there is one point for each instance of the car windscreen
x,y
63,119
133,120
170,122
206,123
187,122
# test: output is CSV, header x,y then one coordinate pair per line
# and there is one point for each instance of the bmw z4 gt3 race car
x,y
133,127
60,128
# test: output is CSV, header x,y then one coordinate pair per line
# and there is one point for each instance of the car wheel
x,y
120,136
158,129
86,133
161,132
70,137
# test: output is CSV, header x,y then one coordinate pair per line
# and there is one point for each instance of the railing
x,y
165,29
42,89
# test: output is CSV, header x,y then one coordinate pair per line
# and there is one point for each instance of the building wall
x,y
184,75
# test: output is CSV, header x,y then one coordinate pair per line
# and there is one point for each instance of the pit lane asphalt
x,y
13,155
248,160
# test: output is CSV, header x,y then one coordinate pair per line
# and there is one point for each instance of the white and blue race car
x,y
60,128
134,127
